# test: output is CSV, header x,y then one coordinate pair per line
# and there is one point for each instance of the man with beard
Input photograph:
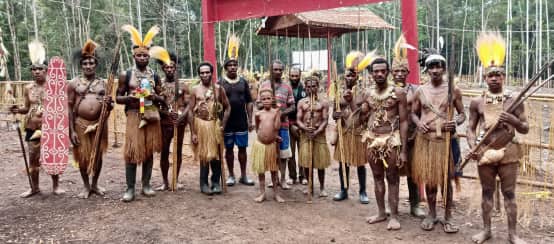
x,y
284,100
354,151
208,101
86,97
173,112
387,128
33,96
298,92
240,119
141,142
429,166
400,70
501,154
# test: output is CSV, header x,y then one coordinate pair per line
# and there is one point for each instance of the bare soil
x,y
187,216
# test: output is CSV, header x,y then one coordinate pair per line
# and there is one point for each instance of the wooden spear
x,y
105,112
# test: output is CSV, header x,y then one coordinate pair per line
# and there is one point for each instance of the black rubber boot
x,y
343,194
146,175
204,187
130,177
413,192
216,176
362,175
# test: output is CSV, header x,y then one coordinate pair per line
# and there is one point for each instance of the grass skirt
x,y
141,144
355,151
209,138
264,157
321,154
428,166
83,153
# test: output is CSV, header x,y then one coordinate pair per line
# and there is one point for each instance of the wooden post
x,y
409,27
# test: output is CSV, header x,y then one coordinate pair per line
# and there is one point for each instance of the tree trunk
x,y
16,60
188,39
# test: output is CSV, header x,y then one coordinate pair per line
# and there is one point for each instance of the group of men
x,y
396,128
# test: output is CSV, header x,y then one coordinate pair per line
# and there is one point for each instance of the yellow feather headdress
x,y
161,54
491,49
353,58
233,47
138,42
368,58
37,53
401,53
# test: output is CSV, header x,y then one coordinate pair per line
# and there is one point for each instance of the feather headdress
x,y
491,49
233,47
353,58
87,51
368,58
37,53
401,53
140,44
160,54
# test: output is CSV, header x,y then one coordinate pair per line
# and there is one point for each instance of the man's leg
x,y
393,179
34,168
448,226
130,178
413,193
180,137
292,163
216,176
321,177
487,177
378,171
343,194
242,160
362,176
508,179
146,176
94,188
167,136
204,173
229,139
84,176
431,219
261,182
276,196
283,169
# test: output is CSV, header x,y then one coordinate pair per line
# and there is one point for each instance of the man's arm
x,y
192,104
70,104
324,117
416,110
226,106
403,118
26,103
290,102
300,115
473,121
461,116
121,95
186,93
518,119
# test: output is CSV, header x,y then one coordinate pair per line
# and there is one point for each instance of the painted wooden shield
x,y
54,143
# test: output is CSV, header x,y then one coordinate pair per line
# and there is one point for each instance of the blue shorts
x,y
235,138
284,146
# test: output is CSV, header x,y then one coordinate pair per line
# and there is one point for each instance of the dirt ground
x,y
187,216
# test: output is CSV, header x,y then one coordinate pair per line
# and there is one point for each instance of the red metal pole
x,y
409,27
208,20
329,59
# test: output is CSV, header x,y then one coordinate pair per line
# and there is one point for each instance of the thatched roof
x,y
319,23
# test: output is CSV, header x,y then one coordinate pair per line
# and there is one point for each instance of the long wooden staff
x,y
447,136
104,113
311,150
342,157
522,96
175,167
219,145
17,124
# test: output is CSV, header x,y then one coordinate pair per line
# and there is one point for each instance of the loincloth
x,y
355,151
320,152
264,157
141,143
381,146
83,152
511,153
428,166
209,138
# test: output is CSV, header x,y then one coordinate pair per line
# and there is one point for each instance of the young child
x,y
265,149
